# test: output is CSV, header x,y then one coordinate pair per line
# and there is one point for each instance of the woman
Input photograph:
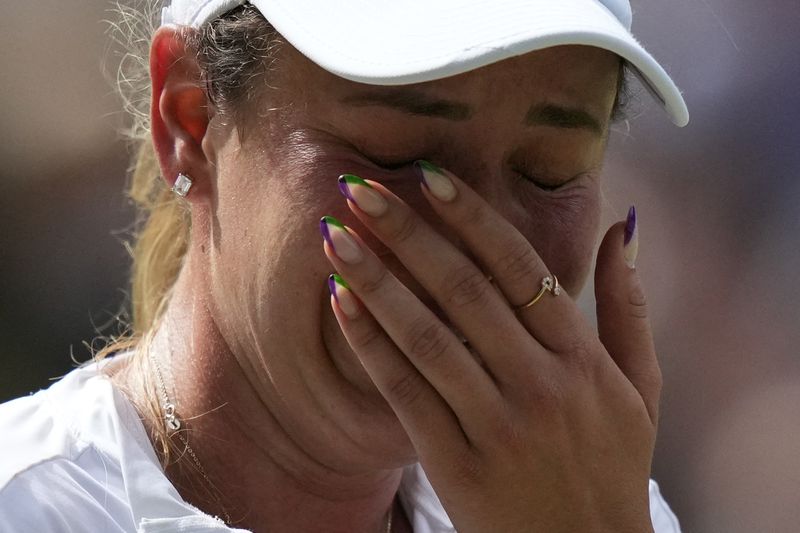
x,y
444,373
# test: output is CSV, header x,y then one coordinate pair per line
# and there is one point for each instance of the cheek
x,y
266,261
563,229
270,202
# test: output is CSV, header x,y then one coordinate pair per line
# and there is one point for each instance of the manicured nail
x,y
363,195
631,245
340,240
343,295
436,181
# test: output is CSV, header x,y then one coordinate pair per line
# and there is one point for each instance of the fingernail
x,y
363,195
631,245
340,240
436,181
343,295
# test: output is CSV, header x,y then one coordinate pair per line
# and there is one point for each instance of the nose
x,y
487,179
485,170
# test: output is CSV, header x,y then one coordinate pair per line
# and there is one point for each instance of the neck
x,y
265,479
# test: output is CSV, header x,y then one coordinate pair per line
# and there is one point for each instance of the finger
x,y
452,279
419,335
554,320
622,317
426,417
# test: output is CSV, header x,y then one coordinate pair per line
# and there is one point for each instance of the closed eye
x,y
388,164
540,182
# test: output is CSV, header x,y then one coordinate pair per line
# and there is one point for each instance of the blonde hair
x,y
160,243
233,53
161,230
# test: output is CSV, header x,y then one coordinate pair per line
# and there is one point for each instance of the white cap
x,y
396,42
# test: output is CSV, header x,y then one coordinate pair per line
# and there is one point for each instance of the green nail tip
x,y
352,178
332,221
338,279
429,166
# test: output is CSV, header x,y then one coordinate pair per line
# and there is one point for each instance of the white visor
x,y
397,42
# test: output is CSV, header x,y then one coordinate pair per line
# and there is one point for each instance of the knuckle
x,y
465,285
476,216
518,263
582,359
375,283
367,338
406,389
544,399
405,229
637,301
509,434
428,340
579,350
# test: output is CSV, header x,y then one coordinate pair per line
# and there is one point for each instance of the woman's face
x,y
528,134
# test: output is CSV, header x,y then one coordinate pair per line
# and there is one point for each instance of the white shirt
x,y
75,457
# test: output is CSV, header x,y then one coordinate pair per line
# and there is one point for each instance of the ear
x,y
179,113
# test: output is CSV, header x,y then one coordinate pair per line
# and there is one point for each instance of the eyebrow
x,y
416,102
562,117
413,102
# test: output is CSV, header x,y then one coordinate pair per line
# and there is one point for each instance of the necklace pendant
x,y
173,423
169,417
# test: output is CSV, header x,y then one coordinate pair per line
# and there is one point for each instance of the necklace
x,y
174,423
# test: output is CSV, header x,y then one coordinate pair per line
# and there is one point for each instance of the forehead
x,y
576,76
568,70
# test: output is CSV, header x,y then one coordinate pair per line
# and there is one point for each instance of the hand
x,y
552,429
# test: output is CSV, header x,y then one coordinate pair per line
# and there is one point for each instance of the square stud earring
x,y
182,185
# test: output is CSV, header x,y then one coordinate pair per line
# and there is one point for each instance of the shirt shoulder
x,y
76,457
32,434
66,495
54,476
79,411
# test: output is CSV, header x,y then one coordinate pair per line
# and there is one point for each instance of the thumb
x,y
622,317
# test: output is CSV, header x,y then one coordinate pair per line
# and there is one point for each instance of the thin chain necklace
x,y
174,423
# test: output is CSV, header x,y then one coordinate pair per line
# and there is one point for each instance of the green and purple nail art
x,y
362,194
423,166
435,180
334,280
347,181
343,295
339,239
326,224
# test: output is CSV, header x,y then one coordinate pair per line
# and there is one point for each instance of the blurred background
x,y
719,206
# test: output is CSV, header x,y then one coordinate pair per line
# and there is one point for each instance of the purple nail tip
x,y
418,166
332,287
325,230
630,225
345,190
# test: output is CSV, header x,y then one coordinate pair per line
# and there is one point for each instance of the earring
x,y
182,185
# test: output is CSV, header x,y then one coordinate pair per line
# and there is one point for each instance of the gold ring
x,y
549,284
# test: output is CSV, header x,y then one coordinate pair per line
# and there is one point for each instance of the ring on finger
x,y
548,284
